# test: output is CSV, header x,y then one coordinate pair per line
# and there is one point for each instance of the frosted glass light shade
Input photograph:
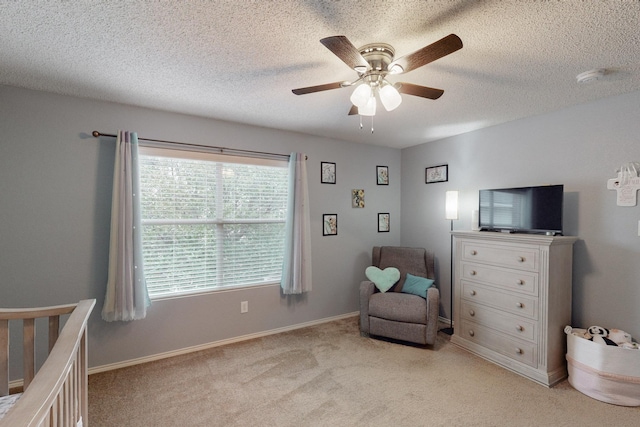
x,y
370,108
451,205
390,97
361,95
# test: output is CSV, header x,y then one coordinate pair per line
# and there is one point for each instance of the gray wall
x,y
580,147
55,195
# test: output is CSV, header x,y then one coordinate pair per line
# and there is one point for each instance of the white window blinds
x,y
211,221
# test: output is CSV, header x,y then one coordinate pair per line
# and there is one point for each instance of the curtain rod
x,y
97,134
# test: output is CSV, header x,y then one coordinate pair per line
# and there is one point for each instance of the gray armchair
x,y
398,315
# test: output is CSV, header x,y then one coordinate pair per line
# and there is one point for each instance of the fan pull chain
x,y
361,123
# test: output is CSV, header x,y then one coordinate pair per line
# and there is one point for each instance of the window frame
x,y
202,154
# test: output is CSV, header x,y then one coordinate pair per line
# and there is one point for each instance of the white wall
x,y
55,193
580,147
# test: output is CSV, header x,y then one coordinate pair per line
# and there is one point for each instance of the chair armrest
x,y
367,288
433,308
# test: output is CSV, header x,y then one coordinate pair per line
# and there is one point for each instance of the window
x,y
210,221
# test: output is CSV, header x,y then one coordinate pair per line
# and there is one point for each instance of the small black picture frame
x,y
436,174
327,173
330,224
383,222
382,175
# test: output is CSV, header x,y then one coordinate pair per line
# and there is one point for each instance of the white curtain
x,y
296,269
126,297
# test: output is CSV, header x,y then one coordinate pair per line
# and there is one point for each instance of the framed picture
x,y
436,174
382,175
357,198
327,173
329,224
383,222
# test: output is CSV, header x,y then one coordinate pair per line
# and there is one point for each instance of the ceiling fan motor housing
x,y
378,55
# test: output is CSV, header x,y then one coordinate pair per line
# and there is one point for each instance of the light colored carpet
x,y
328,375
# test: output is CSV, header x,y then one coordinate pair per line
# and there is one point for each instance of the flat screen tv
x,y
536,210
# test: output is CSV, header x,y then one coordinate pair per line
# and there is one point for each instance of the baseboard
x,y
187,350
16,384
444,321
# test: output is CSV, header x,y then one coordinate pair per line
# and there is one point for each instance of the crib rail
x,y
57,395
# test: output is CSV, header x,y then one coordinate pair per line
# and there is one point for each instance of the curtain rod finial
x,y
95,133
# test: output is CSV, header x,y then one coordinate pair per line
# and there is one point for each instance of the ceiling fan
x,y
373,63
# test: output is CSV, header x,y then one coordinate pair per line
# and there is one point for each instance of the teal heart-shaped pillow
x,y
383,279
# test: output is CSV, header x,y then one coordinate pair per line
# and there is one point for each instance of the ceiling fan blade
x,y
422,91
430,53
353,110
319,88
345,50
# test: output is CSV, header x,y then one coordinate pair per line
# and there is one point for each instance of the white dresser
x,y
512,300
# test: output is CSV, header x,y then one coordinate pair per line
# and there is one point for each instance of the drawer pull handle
x,y
519,350
519,305
474,253
520,282
520,259
471,333
472,313
473,273
472,292
520,328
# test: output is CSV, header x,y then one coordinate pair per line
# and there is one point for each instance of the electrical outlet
x,y
244,306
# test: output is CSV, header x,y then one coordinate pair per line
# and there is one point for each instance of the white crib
x,y
56,395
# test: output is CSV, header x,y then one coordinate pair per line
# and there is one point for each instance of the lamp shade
x,y
390,97
451,205
370,108
361,95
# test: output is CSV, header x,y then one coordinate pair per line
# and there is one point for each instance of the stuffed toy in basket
x,y
609,373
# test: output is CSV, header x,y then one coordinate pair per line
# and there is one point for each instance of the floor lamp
x,y
451,213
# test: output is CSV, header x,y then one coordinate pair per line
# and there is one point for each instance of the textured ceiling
x,y
238,60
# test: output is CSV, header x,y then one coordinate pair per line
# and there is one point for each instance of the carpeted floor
x,y
328,375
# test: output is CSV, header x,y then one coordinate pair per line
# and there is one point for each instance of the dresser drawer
x,y
515,326
515,280
500,343
521,305
523,258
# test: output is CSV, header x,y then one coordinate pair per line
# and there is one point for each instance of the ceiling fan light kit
x,y
364,95
369,109
390,97
373,63
361,95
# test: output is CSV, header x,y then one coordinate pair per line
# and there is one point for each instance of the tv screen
x,y
522,210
